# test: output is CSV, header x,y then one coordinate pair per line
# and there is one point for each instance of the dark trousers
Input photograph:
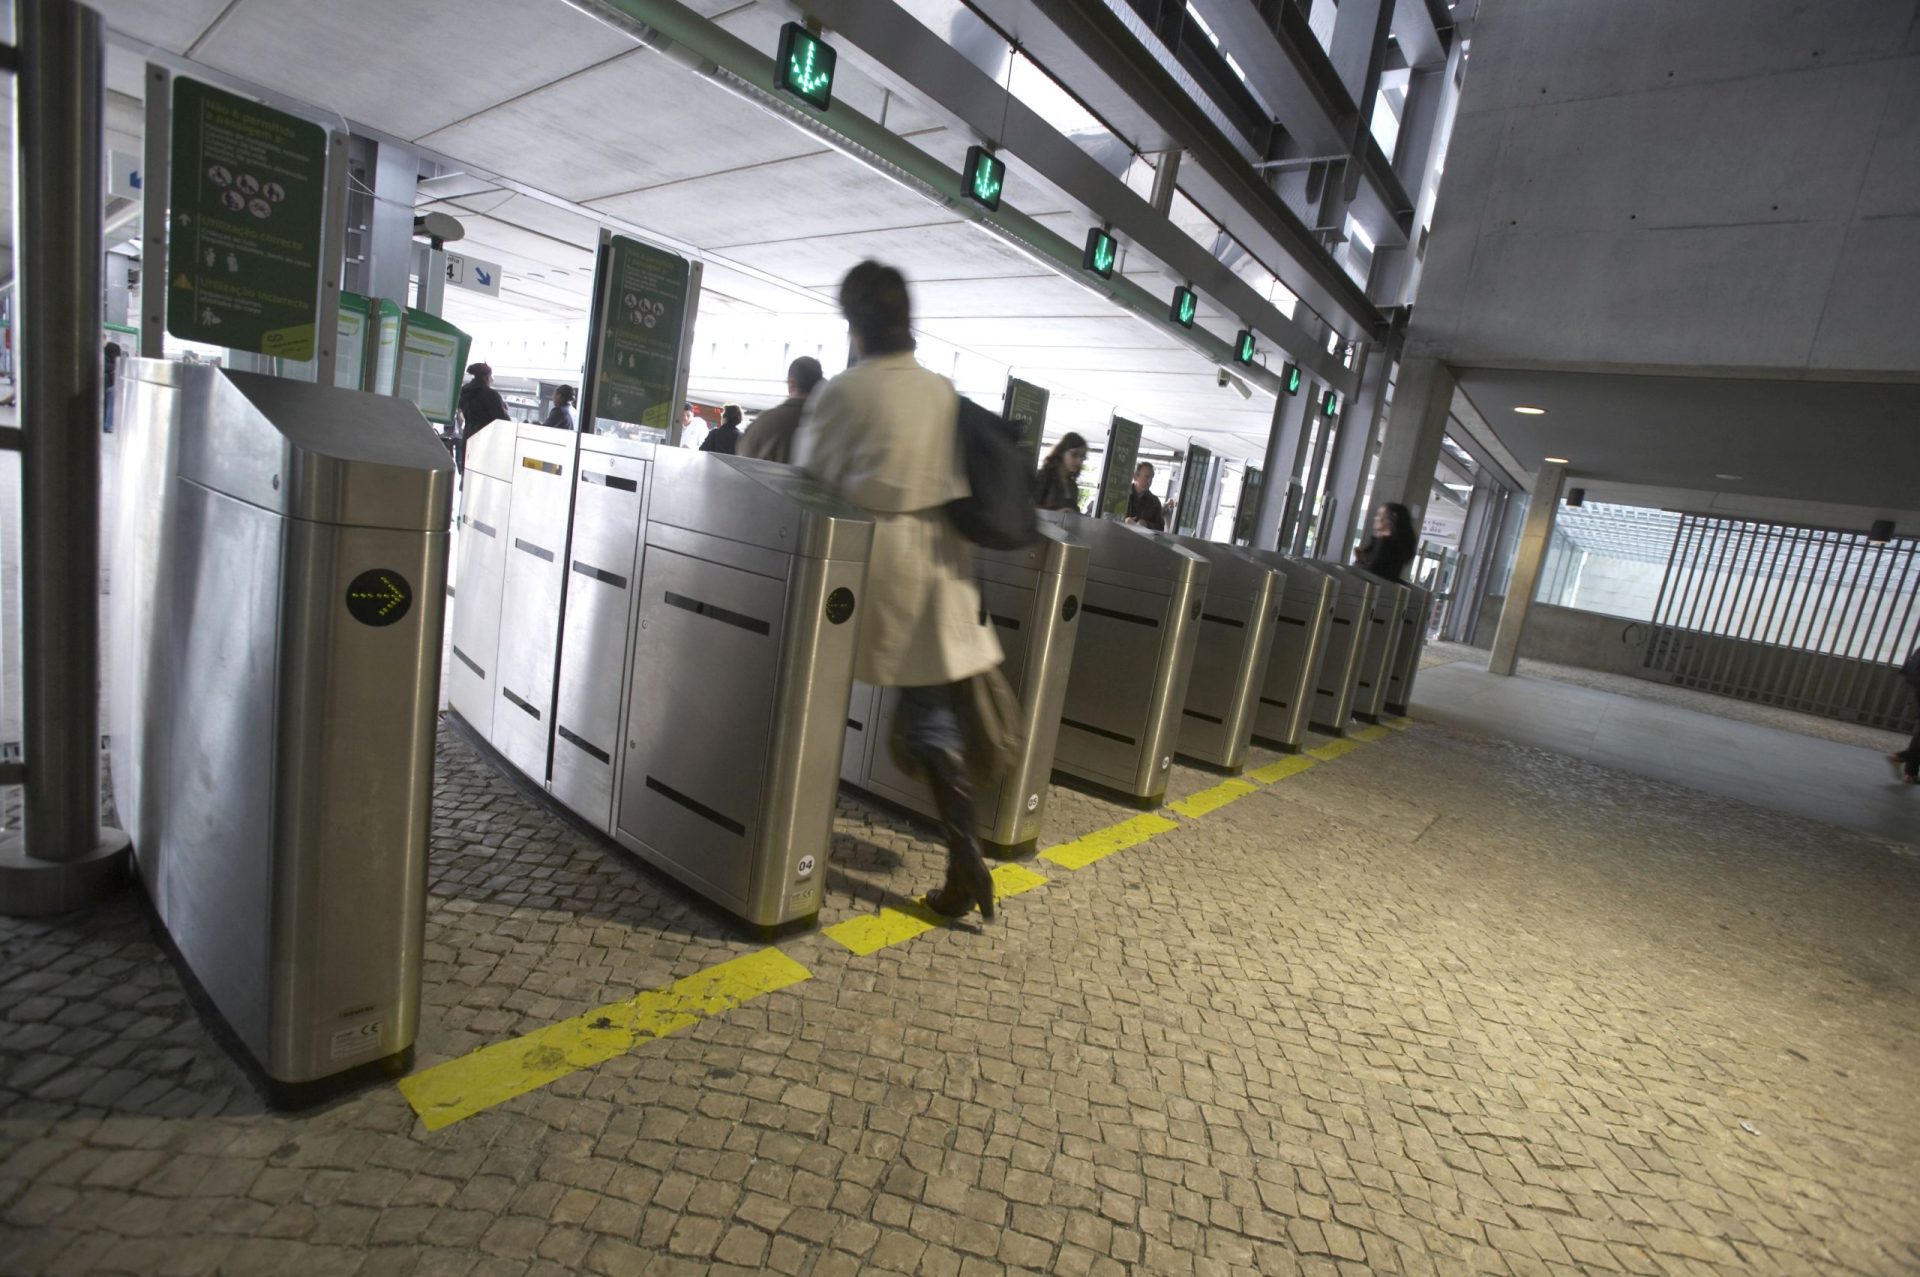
x,y
1911,754
929,723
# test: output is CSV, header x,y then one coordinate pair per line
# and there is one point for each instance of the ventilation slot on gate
x,y
1268,700
1341,620
537,552
588,570
716,613
1223,620
1091,730
1205,718
698,808
466,660
1004,622
484,529
610,480
508,693
1288,620
1131,618
583,745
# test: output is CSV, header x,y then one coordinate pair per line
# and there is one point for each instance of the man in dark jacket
x,y
1143,507
726,437
1906,763
770,438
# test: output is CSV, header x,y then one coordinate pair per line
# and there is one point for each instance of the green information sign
x,y
1243,518
642,314
1026,408
1116,474
1193,490
350,354
433,353
243,259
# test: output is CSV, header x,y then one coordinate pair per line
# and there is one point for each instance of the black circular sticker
x,y
840,605
379,597
1071,608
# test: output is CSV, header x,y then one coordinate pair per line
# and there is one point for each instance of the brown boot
x,y
969,881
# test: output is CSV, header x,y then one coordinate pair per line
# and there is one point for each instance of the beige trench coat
x,y
882,434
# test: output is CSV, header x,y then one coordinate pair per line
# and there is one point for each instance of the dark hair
x,y
806,373
1145,465
480,370
874,300
1402,535
1068,442
563,394
731,414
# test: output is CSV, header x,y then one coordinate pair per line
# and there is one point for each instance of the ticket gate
x,y
1232,654
1390,602
1032,598
1300,644
1346,641
1406,653
517,493
279,581
751,579
1133,658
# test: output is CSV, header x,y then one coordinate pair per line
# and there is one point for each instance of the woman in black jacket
x,y
1057,486
1391,545
480,405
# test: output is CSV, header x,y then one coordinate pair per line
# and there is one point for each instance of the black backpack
x,y
999,514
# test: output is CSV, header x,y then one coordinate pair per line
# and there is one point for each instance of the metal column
x,y
57,238
1531,556
1282,465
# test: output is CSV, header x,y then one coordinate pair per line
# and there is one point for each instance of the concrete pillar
x,y
1311,477
1281,466
1422,398
1352,449
1535,536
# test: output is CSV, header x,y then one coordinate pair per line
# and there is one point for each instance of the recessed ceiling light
x,y
1528,410
1557,461
1733,477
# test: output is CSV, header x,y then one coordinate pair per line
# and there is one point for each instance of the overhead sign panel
x,y
1185,305
805,66
1100,253
984,177
1292,378
643,303
1243,347
243,258
474,274
1116,473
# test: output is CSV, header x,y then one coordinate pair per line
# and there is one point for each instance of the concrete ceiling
x,y
554,101
1841,443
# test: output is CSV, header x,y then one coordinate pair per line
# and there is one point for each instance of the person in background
x,y
110,370
1143,508
1906,762
693,431
480,404
726,438
1391,544
884,435
771,436
560,416
1057,486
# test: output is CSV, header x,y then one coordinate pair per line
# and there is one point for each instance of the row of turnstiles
x,y
664,640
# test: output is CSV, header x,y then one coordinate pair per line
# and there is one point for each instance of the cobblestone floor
x,y
1441,1005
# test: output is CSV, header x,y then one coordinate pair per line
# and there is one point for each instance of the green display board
x,y
643,304
243,258
1116,474
1243,518
1026,408
433,354
350,352
1194,475
386,350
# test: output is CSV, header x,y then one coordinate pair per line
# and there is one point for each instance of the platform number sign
x,y
1330,404
805,66
1185,305
984,177
1292,378
1099,254
1243,347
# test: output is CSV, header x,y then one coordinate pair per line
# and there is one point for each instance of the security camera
x,y
1228,379
1222,379
439,227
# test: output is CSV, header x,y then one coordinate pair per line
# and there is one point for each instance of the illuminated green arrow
x,y
390,596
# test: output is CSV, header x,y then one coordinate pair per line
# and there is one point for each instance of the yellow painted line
x,y
446,1093
1374,732
1399,724
1334,748
1289,766
1011,880
1214,799
873,932
1102,843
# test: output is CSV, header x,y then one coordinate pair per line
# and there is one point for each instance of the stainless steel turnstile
x,y
1390,602
533,556
1300,644
750,589
1032,597
1406,653
1133,659
279,578
1346,640
1231,655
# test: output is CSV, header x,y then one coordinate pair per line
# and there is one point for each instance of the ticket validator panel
x,y
1231,654
1300,641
